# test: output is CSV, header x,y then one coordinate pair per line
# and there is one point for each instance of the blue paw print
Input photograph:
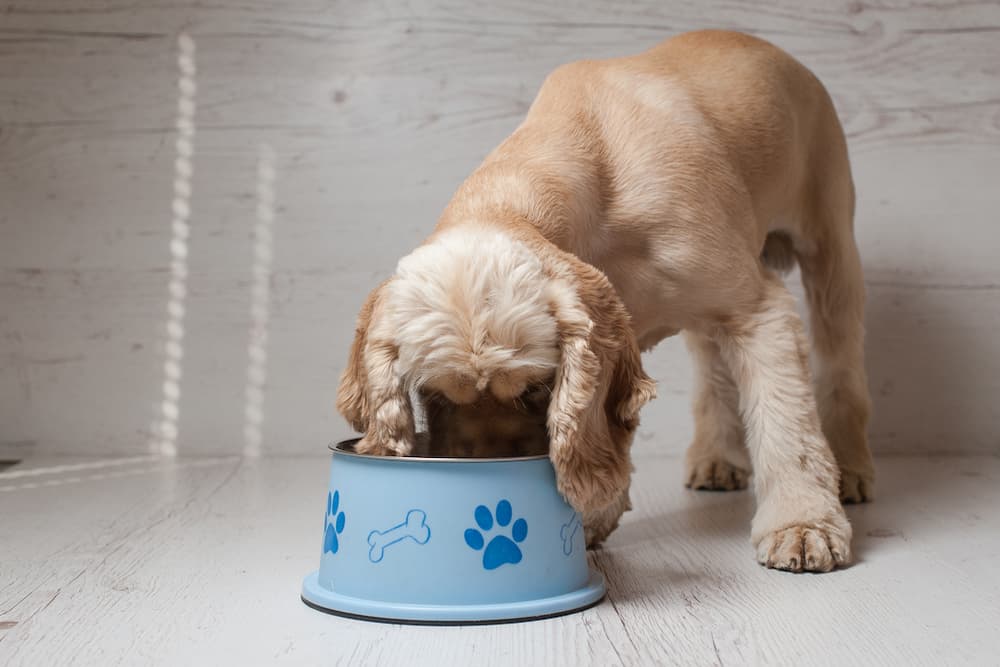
x,y
501,549
334,523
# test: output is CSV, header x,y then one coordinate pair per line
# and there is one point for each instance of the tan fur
x,y
352,396
640,197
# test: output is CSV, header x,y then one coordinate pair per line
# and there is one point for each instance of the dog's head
x,y
479,317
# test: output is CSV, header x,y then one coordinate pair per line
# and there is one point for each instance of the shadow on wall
x,y
932,359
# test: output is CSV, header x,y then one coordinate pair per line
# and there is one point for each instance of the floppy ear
x,y
599,388
372,395
352,396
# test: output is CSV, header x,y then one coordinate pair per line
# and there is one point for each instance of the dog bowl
x,y
449,541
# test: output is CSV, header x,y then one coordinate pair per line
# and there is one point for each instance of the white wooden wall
x,y
375,112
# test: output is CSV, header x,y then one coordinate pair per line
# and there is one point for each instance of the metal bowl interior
x,y
346,448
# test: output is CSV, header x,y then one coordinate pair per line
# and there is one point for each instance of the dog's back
x,y
690,155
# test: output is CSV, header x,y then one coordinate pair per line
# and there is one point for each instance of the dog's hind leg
x,y
835,291
834,287
717,458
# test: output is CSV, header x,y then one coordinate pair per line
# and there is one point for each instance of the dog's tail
x,y
779,252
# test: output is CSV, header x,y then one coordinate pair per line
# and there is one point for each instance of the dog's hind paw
x,y
715,475
856,487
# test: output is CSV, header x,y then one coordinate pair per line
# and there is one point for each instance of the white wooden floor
x,y
199,561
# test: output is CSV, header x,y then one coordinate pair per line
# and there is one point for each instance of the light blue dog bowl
x,y
449,541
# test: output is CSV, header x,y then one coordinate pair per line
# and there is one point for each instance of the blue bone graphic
x,y
413,527
568,532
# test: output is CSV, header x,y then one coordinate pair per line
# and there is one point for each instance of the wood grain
x,y
175,562
376,112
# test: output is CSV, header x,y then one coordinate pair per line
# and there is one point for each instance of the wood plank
x,y
376,112
201,559
928,361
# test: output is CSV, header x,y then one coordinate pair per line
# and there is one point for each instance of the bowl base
x,y
323,599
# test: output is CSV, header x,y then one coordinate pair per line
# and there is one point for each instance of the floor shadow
x,y
704,514
630,577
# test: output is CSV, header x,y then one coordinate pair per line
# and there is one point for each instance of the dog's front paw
x,y
383,447
804,549
715,475
811,533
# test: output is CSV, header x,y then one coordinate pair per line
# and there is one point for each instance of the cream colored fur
x,y
640,197
470,305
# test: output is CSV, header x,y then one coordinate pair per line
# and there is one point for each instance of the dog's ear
x,y
352,396
372,395
599,389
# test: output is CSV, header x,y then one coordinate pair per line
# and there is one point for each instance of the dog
x,y
641,197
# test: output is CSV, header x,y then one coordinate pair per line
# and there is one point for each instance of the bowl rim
x,y
341,449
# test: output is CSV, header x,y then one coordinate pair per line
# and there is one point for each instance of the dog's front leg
x,y
799,524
